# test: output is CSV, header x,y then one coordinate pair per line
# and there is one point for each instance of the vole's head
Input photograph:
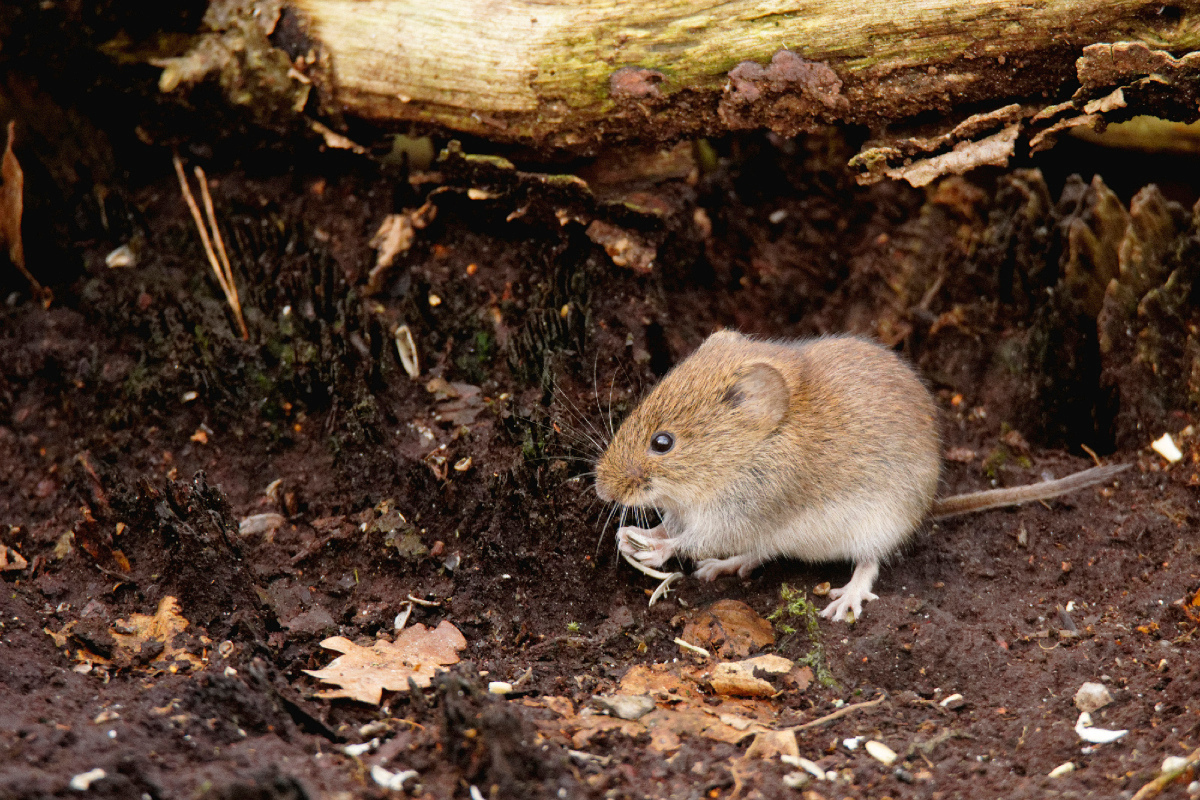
x,y
699,429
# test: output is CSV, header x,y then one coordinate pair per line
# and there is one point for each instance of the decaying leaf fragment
x,y
11,560
12,208
737,678
686,709
625,248
133,640
364,672
733,628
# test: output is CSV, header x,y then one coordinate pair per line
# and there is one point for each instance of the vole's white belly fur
x,y
856,528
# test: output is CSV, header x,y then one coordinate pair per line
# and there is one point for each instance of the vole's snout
x,y
618,482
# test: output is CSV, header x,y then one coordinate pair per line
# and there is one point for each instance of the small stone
x,y
797,780
881,752
626,706
500,687
1174,763
821,589
903,775
953,702
1092,696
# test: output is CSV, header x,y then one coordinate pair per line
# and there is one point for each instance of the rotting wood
x,y
580,74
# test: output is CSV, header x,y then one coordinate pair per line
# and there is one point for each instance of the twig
x,y
841,712
700,651
221,267
1155,787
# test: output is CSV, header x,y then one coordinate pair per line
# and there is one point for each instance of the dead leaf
x,y
960,455
363,673
336,140
12,208
457,403
395,236
659,680
11,560
140,629
772,744
737,678
798,679
139,634
684,710
625,248
733,628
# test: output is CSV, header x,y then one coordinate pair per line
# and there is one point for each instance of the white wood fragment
x,y
1083,727
800,762
1062,769
84,780
393,781
1165,446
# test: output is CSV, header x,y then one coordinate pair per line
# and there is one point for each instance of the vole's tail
x,y
995,498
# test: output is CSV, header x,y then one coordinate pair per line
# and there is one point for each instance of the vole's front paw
x,y
847,599
650,547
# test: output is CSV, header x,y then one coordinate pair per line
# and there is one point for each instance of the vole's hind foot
x,y
850,598
651,546
712,568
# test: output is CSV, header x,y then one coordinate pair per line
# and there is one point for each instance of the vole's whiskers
x,y
612,510
581,430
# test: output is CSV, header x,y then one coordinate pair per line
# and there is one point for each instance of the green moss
x,y
994,461
797,608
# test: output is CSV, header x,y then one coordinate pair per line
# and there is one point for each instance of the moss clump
x,y
797,608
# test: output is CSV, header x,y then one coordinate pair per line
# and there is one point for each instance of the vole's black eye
x,y
662,442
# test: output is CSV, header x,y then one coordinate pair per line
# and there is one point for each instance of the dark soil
x,y
137,429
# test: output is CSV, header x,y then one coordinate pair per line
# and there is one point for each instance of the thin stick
x,y
234,300
224,276
841,712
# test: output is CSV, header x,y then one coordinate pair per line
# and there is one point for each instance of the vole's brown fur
x,y
822,449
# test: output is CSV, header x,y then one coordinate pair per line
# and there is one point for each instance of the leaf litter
x,y
363,673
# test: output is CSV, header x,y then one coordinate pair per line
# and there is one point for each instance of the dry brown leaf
x,y
11,560
737,677
660,679
689,714
772,744
12,208
731,627
133,635
624,247
395,236
140,629
364,672
665,727
588,727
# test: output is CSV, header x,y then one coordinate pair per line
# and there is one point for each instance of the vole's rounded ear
x,y
761,393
